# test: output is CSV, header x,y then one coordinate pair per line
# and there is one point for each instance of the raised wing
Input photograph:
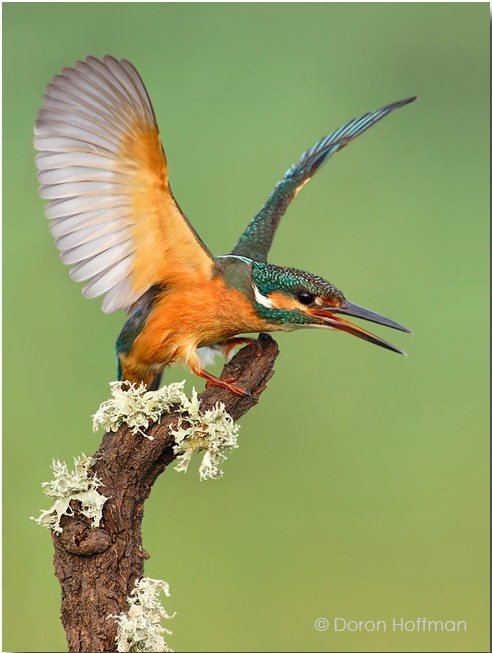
x,y
256,241
102,166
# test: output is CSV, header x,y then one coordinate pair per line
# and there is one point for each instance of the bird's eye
x,y
305,297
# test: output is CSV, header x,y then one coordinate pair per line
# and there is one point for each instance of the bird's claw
x,y
228,384
259,347
234,342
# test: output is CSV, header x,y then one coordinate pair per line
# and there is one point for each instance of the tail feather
x,y
156,382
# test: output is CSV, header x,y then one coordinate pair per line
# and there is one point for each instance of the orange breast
x,y
184,319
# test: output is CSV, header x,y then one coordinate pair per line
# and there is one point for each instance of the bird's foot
x,y
230,380
228,384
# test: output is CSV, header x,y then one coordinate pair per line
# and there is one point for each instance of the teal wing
x,y
256,241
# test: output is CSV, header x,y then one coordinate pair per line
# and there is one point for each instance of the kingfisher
x,y
103,170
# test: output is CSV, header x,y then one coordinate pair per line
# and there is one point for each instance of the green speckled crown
x,y
270,277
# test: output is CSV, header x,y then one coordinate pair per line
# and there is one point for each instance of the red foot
x,y
222,383
228,381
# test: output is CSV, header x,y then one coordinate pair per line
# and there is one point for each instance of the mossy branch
x,y
98,566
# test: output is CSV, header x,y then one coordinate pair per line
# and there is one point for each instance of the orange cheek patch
x,y
281,301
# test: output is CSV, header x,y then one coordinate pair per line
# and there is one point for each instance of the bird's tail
x,y
156,382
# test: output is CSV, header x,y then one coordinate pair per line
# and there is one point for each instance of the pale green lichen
x,y
140,628
213,432
137,406
67,486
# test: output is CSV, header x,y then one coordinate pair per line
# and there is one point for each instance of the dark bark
x,y
97,567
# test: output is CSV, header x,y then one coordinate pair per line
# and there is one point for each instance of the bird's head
x,y
288,299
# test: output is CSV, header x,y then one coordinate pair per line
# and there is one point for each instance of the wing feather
x,y
63,226
78,173
105,280
102,169
55,160
257,239
94,246
89,267
113,297
86,234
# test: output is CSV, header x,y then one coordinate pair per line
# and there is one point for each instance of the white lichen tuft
x,y
140,628
67,486
213,432
137,406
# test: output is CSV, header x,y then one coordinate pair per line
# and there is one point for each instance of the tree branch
x,y
97,567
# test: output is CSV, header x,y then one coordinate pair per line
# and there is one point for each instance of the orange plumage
x,y
183,320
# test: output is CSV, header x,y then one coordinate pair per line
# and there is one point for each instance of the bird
x,y
103,170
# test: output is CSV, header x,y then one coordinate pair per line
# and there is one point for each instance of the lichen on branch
x,y
72,486
212,432
136,406
140,628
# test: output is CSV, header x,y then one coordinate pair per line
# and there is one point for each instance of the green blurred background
x,y
360,488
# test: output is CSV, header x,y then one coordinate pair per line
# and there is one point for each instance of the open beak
x,y
335,322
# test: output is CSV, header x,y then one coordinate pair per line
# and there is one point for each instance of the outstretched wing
x,y
102,166
256,241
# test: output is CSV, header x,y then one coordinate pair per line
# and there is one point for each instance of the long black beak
x,y
330,320
357,311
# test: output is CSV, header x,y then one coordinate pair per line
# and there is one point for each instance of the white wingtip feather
x,y
87,112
